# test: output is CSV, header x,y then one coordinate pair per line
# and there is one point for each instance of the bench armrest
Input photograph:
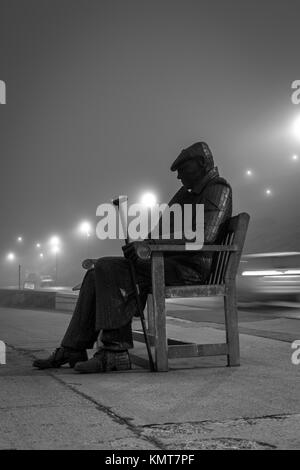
x,y
144,251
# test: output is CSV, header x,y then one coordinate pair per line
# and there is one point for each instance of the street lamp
x,y
55,248
11,257
296,127
148,200
20,241
85,228
56,251
55,240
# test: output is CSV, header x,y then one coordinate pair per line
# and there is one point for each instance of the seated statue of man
x,y
106,305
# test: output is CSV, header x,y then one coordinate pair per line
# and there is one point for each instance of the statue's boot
x,y
60,357
105,361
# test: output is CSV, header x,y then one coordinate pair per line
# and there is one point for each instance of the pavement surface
x,y
199,404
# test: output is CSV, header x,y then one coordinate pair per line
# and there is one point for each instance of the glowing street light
x,y
85,228
295,158
148,200
55,240
268,192
249,172
20,242
296,127
41,255
11,257
55,248
38,245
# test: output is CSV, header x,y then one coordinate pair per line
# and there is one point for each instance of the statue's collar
x,y
213,173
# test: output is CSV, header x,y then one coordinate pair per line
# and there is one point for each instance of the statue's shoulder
x,y
220,181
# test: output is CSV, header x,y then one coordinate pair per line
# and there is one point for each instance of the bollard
x,y
2,92
2,353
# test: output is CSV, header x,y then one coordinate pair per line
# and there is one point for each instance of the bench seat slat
x,y
195,350
194,291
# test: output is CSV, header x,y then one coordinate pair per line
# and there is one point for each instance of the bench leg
x,y
159,305
150,315
231,323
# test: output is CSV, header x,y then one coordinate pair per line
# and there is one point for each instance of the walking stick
x,y
116,202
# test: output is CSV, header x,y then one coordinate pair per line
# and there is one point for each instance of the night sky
x,y
103,95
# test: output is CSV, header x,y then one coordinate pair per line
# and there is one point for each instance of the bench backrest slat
x,y
225,264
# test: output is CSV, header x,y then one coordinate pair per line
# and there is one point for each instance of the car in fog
x,y
36,281
32,281
269,276
47,281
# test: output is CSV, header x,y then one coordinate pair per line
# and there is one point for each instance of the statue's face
x,y
190,173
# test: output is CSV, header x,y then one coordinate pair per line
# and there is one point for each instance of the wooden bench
x,y
221,282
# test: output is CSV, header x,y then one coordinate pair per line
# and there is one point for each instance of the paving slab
x,y
263,433
266,383
39,411
199,404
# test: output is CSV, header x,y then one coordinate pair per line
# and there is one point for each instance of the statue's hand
x,y
136,250
129,251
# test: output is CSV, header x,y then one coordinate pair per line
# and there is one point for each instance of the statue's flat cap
x,y
199,150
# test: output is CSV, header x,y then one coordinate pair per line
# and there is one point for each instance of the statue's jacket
x,y
115,302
